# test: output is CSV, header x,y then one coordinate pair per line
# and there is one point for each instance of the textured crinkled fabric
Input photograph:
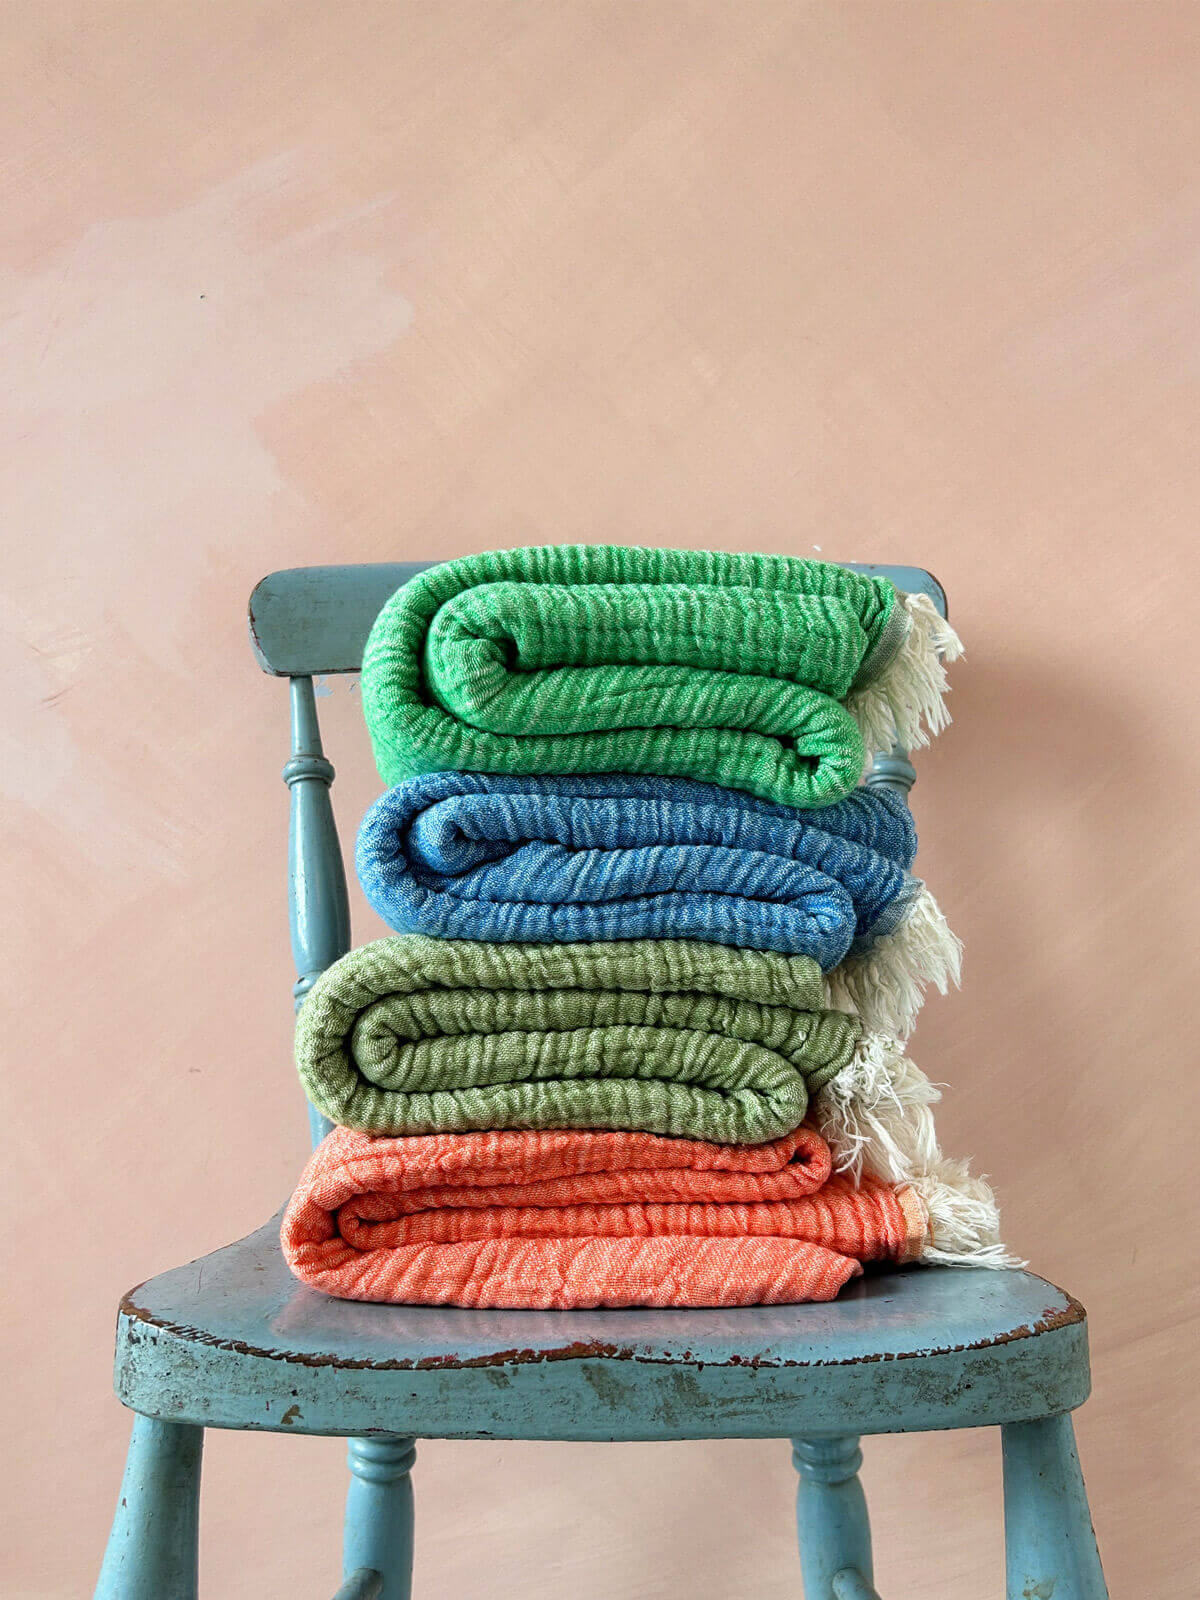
x,y
477,856
608,658
570,1219
417,1035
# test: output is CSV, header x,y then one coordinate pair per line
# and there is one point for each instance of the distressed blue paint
x,y
378,1529
927,1348
318,903
233,1341
831,1513
1050,1545
892,770
153,1548
851,1585
363,1584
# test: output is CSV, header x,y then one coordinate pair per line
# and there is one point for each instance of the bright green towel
x,y
687,663
418,1035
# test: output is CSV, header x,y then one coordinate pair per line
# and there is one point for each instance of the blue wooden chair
x,y
232,1341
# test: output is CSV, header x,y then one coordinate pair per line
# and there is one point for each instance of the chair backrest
x,y
308,622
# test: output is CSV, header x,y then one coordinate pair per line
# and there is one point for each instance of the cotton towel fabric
x,y
570,1219
417,1035
558,859
607,658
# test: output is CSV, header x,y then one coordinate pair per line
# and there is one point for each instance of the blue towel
x,y
464,855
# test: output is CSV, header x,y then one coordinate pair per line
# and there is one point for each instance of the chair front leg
x,y
831,1516
1049,1541
153,1550
379,1513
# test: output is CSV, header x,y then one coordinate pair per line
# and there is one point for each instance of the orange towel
x,y
549,1220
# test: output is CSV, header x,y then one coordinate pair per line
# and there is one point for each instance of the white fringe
x,y
905,705
875,1114
964,1225
875,1118
885,986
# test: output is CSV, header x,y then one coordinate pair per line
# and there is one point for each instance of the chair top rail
x,y
314,621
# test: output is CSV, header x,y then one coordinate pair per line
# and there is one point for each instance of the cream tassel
x,y
885,986
905,705
964,1225
875,1114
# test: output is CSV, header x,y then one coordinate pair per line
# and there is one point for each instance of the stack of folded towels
x,y
638,1039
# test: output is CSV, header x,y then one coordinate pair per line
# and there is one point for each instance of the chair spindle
x,y
831,1519
317,898
892,770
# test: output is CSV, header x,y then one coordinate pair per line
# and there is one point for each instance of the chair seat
x,y
232,1340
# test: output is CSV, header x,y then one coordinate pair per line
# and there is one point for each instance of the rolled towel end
x,y
963,1222
885,985
906,705
875,1115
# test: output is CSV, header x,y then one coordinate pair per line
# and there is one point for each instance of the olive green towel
x,y
686,663
416,1035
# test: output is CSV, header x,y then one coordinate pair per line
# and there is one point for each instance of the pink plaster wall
x,y
287,283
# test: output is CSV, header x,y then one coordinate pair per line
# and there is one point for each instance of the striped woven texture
x,y
655,952
571,1219
417,1035
467,855
606,658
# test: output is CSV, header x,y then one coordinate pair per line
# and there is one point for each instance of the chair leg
x,y
154,1545
379,1513
1048,1536
831,1514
